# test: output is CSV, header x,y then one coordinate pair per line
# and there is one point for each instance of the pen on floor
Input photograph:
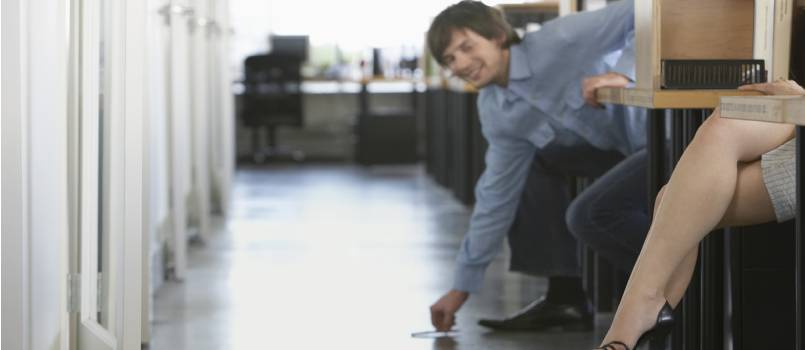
x,y
434,334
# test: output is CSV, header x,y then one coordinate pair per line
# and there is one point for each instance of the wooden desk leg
x,y
800,249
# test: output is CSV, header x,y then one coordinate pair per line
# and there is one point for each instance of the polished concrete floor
x,y
338,257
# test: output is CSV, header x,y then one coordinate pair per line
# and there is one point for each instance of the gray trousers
x,y
540,239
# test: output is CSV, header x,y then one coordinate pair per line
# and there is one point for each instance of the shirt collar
x,y
501,94
518,63
518,70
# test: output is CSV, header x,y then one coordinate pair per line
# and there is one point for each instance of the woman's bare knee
x,y
745,140
718,132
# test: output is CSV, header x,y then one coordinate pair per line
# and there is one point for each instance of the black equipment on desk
x,y
272,97
290,45
711,74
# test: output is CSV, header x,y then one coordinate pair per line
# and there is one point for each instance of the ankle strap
x,y
611,346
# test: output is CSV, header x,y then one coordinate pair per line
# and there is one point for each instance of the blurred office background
x,y
240,174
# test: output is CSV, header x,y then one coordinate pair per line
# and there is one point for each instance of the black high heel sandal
x,y
661,329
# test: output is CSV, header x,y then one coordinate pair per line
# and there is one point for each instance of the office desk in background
x,y
331,108
386,135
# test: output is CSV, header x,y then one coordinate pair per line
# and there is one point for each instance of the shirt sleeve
x,y
609,27
602,32
626,64
497,193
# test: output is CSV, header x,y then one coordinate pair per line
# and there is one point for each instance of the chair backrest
x,y
272,90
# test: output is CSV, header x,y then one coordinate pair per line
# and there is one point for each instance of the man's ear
x,y
500,39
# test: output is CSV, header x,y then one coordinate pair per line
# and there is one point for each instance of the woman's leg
x,y
699,194
750,205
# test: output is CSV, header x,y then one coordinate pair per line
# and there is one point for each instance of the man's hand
x,y
590,84
443,312
779,87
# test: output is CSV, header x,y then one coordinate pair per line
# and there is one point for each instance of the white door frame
x,y
227,106
179,122
125,116
70,320
135,160
15,238
200,112
222,115
159,221
155,179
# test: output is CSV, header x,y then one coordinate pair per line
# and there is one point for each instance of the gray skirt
x,y
779,175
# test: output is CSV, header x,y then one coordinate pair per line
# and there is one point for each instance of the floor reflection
x,y
445,343
336,257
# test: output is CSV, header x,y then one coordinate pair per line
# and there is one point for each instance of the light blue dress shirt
x,y
542,105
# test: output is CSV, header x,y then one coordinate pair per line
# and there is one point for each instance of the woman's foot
x,y
635,316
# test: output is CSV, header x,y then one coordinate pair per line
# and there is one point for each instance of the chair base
x,y
277,154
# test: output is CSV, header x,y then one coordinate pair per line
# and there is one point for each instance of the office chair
x,y
272,97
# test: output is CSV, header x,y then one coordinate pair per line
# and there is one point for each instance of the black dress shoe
x,y
543,315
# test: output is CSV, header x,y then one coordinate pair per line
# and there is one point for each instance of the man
x,y
540,132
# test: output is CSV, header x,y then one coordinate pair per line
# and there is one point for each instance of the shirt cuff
x,y
469,278
625,66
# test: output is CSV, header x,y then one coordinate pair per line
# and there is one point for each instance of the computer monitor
x,y
292,45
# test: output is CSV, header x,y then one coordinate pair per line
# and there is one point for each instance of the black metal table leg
x,y
685,124
655,145
800,251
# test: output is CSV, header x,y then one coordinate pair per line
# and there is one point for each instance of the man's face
x,y
476,59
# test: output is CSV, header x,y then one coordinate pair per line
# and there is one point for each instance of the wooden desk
x,y
781,109
452,84
667,99
777,109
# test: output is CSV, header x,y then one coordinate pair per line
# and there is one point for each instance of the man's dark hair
x,y
487,21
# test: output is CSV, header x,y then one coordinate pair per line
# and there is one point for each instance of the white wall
x,y
47,91
48,142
